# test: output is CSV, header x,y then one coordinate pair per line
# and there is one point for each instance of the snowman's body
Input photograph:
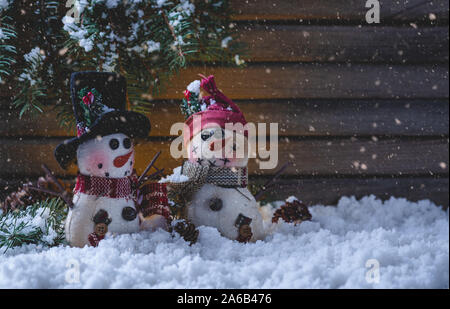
x,y
213,147
110,156
215,192
79,222
236,201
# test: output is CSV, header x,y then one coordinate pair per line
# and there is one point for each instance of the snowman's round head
x,y
106,156
216,146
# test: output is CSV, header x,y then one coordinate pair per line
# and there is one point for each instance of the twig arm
x,y
50,174
149,166
57,194
157,173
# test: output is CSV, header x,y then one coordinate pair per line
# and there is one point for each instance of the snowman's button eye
x,y
127,143
114,144
206,136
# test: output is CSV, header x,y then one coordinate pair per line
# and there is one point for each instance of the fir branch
x,y
41,224
7,50
132,38
172,31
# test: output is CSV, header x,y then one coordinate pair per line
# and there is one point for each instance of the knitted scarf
x,y
228,177
107,187
199,175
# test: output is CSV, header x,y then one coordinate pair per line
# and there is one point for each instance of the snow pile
x,y
409,242
31,225
39,224
153,46
34,58
194,87
35,53
291,199
176,177
3,4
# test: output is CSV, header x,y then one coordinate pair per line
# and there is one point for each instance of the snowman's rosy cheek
x,y
96,161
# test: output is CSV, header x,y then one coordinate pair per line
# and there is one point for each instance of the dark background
x,y
362,109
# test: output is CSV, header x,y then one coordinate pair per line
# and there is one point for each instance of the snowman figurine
x,y
105,191
214,186
212,183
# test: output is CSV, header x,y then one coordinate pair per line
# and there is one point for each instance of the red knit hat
x,y
220,110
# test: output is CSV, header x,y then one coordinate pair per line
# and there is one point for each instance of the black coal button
x,y
129,213
215,204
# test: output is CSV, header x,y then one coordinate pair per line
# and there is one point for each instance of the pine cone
x,y
295,212
187,230
24,196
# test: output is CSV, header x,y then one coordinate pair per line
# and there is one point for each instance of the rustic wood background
x,y
362,109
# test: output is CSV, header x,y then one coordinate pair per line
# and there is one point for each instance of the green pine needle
x,y
40,224
7,51
145,41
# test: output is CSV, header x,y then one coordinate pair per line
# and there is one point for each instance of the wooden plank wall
x,y
362,109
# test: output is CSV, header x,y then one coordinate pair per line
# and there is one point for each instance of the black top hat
x,y
99,104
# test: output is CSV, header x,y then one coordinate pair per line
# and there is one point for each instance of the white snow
x,y
34,58
194,87
35,53
238,60
28,223
160,3
291,199
187,7
110,4
410,241
3,4
78,33
153,46
87,44
176,177
226,41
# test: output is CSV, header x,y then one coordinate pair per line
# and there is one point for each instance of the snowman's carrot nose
x,y
121,160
